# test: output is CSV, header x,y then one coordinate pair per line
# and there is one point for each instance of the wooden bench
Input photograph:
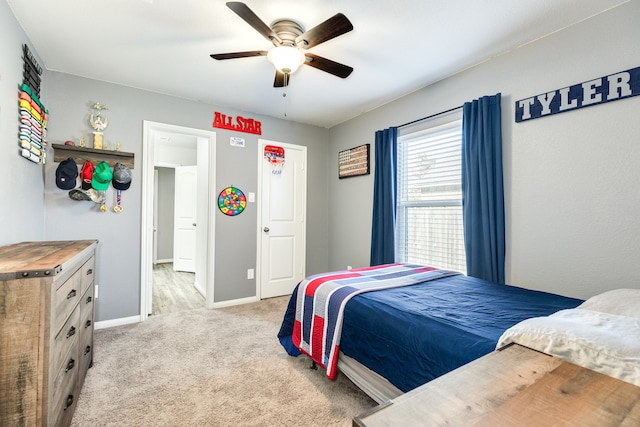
x,y
515,386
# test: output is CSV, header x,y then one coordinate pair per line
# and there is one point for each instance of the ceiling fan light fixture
x,y
286,59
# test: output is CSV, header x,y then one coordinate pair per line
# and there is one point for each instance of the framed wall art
x,y
353,162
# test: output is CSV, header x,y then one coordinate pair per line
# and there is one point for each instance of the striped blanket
x,y
321,300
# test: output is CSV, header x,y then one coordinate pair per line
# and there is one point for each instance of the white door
x,y
282,219
184,233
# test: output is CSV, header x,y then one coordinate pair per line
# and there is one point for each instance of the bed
x,y
601,334
396,337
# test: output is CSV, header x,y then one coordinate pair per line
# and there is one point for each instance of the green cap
x,y
101,176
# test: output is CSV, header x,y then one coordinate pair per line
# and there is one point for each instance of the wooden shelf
x,y
81,154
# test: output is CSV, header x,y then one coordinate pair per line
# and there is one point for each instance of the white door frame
x,y
206,142
261,165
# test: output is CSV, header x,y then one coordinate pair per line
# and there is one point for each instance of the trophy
x,y
98,123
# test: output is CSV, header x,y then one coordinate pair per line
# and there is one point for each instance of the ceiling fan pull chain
x,y
284,93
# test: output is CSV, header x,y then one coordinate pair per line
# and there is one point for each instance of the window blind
x,y
429,227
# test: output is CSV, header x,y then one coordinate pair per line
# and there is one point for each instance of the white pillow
x,y
604,342
623,302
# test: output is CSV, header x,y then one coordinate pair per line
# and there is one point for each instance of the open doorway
x,y
168,147
174,285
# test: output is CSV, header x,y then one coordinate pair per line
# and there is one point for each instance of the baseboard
x,y
235,302
135,319
116,322
164,261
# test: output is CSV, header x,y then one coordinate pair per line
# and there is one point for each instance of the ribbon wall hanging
x,y
33,115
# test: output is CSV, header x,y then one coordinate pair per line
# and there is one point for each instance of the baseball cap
x,y
101,176
121,177
66,174
86,174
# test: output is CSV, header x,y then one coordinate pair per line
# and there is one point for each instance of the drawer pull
x,y
89,271
72,332
89,299
70,365
86,325
71,294
69,402
87,350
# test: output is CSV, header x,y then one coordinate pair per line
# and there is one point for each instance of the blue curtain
x,y
384,197
482,188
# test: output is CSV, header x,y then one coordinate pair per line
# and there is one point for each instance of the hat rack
x,y
82,154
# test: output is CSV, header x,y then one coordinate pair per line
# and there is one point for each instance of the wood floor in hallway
x,y
174,291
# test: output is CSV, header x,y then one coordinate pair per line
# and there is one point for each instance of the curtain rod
x,y
431,116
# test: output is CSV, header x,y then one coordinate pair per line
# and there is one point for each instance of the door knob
x,y
266,229
194,224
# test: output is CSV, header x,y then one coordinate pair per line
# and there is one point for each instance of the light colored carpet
x,y
220,367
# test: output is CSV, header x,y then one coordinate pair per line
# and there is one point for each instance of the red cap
x,y
86,174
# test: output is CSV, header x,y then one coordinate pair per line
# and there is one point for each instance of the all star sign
x,y
240,124
609,88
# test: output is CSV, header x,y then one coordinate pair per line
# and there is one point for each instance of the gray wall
x,y
164,229
21,181
118,270
571,180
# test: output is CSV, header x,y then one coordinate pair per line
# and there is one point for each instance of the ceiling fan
x,y
289,40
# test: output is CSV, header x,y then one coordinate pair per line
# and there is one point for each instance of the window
x,y
429,227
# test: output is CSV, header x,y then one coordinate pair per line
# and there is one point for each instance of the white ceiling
x,y
396,47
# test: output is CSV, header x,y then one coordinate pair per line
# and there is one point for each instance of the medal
x,y
118,208
103,206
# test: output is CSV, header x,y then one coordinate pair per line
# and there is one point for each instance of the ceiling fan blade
x,y
234,55
243,11
281,79
328,65
331,28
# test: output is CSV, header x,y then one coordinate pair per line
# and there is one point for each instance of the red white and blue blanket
x,y
321,300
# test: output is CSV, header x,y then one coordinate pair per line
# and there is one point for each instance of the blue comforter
x,y
413,334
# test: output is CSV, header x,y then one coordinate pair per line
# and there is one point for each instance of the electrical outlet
x,y
349,267
250,274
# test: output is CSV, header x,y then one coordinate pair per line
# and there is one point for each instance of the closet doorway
x,y
166,149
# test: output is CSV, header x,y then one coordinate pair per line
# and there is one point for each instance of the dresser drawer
x,y
66,389
87,272
86,359
86,331
86,304
67,337
66,298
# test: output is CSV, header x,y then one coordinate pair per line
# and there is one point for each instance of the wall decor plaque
x,y
613,87
353,162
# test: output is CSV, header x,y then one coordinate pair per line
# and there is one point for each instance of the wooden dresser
x,y
46,330
515,386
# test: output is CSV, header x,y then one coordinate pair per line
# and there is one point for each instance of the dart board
x,y
232,201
